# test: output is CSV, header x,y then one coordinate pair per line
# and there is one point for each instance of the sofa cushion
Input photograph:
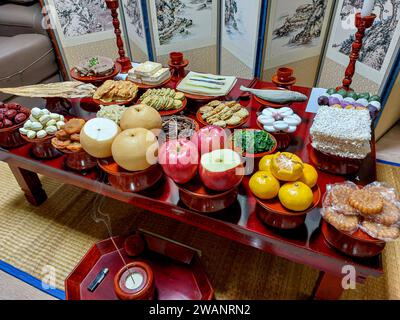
x,y
25,59
16,19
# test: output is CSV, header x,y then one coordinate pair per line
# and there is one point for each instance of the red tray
x,y
178,271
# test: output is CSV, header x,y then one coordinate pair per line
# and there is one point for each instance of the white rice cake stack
x,y
158,77
342,132
147,69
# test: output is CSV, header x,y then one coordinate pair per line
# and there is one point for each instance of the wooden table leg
x,y
328,287
30,185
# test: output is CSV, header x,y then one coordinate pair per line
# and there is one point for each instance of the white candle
x,y
134,281
367,8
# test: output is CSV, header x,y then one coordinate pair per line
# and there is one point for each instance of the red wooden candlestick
x,y
362,24
123,60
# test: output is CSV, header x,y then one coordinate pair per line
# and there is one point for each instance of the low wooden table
x,y
240,223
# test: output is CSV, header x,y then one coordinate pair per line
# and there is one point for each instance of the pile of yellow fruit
x,y
298,178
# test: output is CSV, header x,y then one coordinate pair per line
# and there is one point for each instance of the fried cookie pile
x,y
222,113
375,209
116,91
68,137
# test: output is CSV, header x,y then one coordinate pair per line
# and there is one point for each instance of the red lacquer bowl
x,y
283,139
359,244
203,122
96,80
201,199
11,138
274,214
79,161
130,181
333,164
164,113
43,148
143,292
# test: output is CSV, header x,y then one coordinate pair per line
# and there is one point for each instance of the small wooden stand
x,y
123,60
362,24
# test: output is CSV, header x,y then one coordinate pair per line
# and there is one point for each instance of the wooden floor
x,y
13,289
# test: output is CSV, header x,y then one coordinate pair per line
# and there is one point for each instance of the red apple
x,y
221,170
210,138
179,159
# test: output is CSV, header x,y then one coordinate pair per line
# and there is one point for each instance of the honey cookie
x,y
341,221
60,144
75,137
338,199
74,126
389,216
387,193
74,147
379,231
62,135
366,201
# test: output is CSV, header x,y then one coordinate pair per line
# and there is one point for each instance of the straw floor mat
x,y
59,232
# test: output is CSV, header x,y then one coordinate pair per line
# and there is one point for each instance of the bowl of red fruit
x,y
12,117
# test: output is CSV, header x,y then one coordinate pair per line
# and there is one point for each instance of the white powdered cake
x,y
342,132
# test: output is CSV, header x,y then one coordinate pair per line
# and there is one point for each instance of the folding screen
x,y
239,35
135,29
189,26
377,68
296,34
379,45
82,28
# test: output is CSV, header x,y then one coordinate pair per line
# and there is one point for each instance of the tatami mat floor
x,y
59,232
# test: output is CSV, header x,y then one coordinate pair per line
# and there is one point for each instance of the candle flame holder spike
x,y
362,24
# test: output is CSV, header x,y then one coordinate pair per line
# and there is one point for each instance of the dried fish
x,y
68,89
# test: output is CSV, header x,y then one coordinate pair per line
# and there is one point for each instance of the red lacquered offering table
x,y
305,245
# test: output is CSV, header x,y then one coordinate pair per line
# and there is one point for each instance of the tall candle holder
x,y
362,24
123,60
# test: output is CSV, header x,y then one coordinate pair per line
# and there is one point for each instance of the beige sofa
x,y
26,53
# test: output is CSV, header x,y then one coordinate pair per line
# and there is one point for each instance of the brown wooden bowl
x,y
201,199
144,292
11,138
358,244
255,155
43,148
274,214
96,80
144,86
130,181
283,139
333,164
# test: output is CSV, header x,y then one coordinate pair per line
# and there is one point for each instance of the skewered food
x,y
341,132
116,91
222,113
